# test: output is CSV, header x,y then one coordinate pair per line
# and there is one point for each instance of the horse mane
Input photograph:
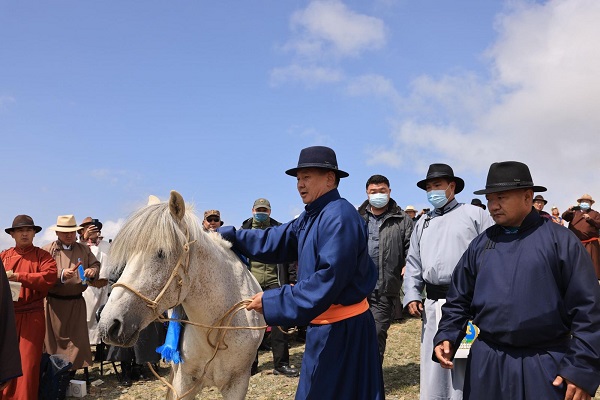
x,y
152,229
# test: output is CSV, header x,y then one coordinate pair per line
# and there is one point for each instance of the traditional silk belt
x,y
436,292
58,296
338,312
589,240
37,305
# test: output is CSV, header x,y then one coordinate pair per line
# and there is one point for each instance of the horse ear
x,y
153,200
176,205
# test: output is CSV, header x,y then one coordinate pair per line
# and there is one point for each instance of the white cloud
x,y
375,85
329,27
539,107
323,33
307,75
109,231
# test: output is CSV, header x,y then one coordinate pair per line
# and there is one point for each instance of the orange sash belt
x,y
589,240
338,312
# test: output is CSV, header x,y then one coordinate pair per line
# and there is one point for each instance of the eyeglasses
x,y
213,219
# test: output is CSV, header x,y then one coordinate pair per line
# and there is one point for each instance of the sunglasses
x,y
213,219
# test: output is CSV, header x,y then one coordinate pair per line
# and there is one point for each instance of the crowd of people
x,y
522,276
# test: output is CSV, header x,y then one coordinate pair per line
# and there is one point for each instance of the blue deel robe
x,y
536,300
329,240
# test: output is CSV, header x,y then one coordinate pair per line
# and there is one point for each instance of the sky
x,y
105,103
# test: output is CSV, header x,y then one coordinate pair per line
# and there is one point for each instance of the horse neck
x,y
217,282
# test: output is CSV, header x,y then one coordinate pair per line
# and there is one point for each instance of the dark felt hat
x,y
509,175
540,198
317,157
442,171
478,203
22,221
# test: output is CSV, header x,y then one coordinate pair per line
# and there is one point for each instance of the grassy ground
x,y
400,369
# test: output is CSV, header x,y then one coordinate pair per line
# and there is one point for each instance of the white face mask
x,y
378,200
584,205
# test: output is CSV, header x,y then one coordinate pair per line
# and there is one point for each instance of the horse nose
x,y
115,329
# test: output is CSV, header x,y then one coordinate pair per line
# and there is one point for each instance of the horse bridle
x,y
183,263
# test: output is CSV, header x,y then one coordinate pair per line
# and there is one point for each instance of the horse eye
x,y
160,254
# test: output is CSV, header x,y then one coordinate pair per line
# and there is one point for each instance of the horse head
x,y
151,253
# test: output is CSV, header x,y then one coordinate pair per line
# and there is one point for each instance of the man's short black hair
x,y
377,179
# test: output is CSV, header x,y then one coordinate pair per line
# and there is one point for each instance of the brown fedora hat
x,y
22,221
65,223
509,175
586,197
89,221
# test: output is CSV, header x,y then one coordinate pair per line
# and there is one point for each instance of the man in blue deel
x,y
335,277
530,287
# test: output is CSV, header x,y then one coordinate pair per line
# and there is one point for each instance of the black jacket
x,y
394,239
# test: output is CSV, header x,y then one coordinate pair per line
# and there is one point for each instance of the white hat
x,y
65,223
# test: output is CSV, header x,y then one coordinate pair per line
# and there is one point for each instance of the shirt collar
x,y
316,206
449,206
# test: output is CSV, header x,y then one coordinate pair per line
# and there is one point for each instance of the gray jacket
x,y
394,239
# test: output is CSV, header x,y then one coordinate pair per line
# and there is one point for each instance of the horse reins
x,y
222,325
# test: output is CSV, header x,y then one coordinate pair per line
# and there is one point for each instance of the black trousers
x,y
382,308
279,343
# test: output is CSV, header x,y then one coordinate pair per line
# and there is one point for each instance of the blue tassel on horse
x,y
170,350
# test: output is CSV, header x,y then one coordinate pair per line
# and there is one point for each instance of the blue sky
x,y
105,103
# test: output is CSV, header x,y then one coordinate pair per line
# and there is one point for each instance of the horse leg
x,y
236,388
183,382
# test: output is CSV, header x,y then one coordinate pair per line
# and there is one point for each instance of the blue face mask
x,y
261,216
584,206
378,200
437,198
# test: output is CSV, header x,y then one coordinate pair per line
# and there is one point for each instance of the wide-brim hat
x,y
539,197
89,221
442,171
410,208
65,223
586,197
509,175
318,157
23,221
478,203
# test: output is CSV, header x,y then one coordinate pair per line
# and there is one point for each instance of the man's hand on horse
x,y
256,303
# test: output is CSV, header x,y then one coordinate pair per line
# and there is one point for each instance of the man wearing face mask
x,y
270,276
437,242
389,237
584,223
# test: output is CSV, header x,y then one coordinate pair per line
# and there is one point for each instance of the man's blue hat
x,y
317,157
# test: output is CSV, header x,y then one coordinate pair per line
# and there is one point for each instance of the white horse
x,y
166,259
